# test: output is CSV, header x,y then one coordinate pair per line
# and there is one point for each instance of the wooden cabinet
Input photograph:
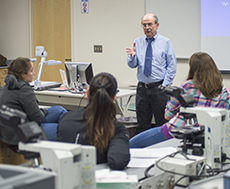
x,y
3,74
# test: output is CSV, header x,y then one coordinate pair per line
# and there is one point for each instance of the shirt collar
x,y
154,37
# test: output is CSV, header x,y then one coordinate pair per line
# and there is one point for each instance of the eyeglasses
x,y
147,25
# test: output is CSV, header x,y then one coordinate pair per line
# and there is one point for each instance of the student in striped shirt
x,y
204,82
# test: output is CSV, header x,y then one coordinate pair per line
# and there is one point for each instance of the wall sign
x,y
84,6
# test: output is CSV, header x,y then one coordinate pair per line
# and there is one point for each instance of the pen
x,y
77,137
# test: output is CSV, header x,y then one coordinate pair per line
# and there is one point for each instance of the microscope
x,y
211,139
73,164
38,84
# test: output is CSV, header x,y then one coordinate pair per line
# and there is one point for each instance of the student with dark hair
x,y
204,82
97,125
17,94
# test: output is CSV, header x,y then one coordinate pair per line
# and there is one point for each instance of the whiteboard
x,y
180,22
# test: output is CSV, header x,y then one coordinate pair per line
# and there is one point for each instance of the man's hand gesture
x,y
132,50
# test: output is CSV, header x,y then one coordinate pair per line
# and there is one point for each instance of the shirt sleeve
x,y
224,100
171,65
30,106
172,107
132,61
118,155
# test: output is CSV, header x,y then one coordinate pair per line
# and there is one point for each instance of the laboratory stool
x,y
129,107
131,129
10,157
130,123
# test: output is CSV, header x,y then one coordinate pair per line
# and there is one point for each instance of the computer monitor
x,y
78,73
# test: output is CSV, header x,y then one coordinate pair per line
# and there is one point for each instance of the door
x,y
52,29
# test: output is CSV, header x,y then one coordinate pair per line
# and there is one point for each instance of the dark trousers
x,y
149,100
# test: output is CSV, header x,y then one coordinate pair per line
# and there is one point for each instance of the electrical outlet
x,y
98,48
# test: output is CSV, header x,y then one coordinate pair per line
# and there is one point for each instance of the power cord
x,y
81,101
146,175
211,172
176,183
194,177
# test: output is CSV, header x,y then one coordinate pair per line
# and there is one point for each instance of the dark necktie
x,y
148,58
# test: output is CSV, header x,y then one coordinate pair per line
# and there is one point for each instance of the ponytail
x,y
100,113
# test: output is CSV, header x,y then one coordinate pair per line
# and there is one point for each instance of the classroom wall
x,y
113,24
180,21
15,28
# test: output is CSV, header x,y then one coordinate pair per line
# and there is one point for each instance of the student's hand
x,y
167,117
132,50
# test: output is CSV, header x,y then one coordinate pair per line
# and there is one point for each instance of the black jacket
x,y
72,127
18,94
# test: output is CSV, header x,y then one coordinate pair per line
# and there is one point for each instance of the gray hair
x,y
155,17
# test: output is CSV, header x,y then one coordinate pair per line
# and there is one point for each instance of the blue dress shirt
x,y
163,60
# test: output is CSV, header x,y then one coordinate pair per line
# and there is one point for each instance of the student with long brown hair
x,y
204,82
97,125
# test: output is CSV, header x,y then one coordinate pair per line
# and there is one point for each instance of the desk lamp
x,y
38,84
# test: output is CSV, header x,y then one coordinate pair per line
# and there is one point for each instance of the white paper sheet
x,y
151,153
141,162
143,157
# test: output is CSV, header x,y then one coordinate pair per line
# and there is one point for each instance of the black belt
x,y
150,85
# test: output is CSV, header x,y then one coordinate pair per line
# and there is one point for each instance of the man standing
x,y
154,57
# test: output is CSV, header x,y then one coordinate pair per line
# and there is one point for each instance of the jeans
x,y
51,121
147,138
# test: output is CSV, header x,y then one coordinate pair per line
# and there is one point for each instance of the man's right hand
x,y
132,50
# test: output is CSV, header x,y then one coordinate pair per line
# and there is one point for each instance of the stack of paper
x,y
144,157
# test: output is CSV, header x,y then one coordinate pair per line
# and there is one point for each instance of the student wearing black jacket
x,y
96,124
17,94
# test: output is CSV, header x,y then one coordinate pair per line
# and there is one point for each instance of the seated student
x,y
204,82
97,125
18,94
